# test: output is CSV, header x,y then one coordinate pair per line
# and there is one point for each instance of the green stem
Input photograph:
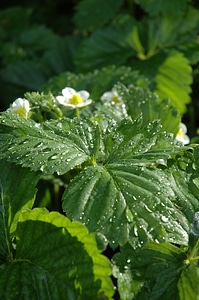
x,y
194,259
192,255
77,113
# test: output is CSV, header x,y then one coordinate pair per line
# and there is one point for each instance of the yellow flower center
x,y
180,133
115,99
75,99
21,112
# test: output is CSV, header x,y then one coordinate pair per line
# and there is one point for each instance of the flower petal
x,y
68,92
107,96
61,100
84,95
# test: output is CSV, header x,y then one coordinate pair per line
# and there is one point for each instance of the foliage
x,y
150,38
99,202
42,252
124,183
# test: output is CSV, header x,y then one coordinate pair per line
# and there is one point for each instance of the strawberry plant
x,y
99,181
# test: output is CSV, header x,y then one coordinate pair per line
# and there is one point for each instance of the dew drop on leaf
x,y
164,219
42,168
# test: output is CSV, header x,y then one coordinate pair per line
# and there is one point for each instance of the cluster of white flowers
x,y
70,97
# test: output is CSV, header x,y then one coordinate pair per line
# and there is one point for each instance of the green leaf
x,y
60,56
55,259
169,31
190,51
93,193
173,80
154,7
188,284
139,101
96,82
14,19
90,16
171,77
17,187
156,268
107,46
158,271
131,187
51,149
38,38
144,172
23,74
135,142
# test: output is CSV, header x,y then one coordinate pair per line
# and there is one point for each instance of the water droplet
x,y
135,229
147,208
164,219
42,168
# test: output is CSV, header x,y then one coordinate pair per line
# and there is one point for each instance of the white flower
x,y
21,107
181,135
111,96
74,99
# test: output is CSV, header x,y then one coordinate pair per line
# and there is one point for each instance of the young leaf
x,y
54,259
17,192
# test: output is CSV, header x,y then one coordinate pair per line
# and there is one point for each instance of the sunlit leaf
x,y
173,80
171,77
54,259
188,284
